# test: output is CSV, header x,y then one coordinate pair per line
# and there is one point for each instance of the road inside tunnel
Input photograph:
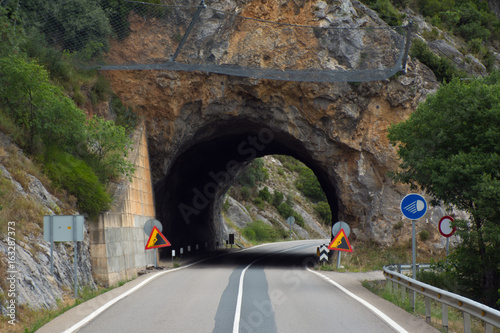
x,y
189,198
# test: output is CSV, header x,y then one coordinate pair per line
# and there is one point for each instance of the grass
x,y
370,256
455,321
30,320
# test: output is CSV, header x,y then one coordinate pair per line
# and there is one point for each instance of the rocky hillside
x,y
24,255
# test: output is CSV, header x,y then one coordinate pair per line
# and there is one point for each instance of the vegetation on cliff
x,y
469,21
272,184
39,92
450,147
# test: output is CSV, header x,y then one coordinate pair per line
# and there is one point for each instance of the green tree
x,y
11,33
265,194
323,209
109,145
450,147
309,185
37,106
73,25
254,173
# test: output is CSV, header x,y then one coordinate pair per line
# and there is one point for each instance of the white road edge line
x,y
116,299
101,309
370,307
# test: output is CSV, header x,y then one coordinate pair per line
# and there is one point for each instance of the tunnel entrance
x,y
190,196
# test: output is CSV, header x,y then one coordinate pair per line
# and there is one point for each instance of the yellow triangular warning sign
x,y
340,242
156,239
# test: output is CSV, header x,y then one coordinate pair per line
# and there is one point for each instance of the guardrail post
x,y
413,299
467,328
444,317
488,328
427,310
403,293
395,288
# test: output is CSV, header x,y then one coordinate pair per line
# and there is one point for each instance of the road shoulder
x,y
353,283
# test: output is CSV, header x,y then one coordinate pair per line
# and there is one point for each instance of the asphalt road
x,y
262,289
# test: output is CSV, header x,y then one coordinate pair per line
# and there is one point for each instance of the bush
x,y
254,173
424,235
308,184
439,279
323,209
265,195
468,19
387,11
277,198
443,68
76,177
125,116
259,203
286,211
245,193
260,231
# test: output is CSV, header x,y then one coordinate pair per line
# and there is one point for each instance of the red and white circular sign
x,y
445,227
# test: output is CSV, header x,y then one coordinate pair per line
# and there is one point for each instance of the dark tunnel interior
x,y
190,196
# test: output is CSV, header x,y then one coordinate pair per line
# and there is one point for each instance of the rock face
x,y
204,129
34,285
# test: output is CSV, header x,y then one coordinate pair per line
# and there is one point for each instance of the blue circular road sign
x,y
413,206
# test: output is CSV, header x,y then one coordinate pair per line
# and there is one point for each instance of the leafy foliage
x,y
261,232
11,34
450,147
323,209
45,116
37,105
265,194
125,116
286,211
109,145
73,25
254,173
387,11
468,19
443,68
309,185
78,179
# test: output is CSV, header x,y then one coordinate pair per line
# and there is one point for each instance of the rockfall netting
x,y
211,38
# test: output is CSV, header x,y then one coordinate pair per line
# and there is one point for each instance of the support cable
x,y
188,30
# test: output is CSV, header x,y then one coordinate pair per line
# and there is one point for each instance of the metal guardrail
x,y
409,267
489,316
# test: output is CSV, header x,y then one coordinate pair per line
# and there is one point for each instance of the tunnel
x,y
190,196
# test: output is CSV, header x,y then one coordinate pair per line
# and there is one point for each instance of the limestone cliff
x,y
199,124
25,264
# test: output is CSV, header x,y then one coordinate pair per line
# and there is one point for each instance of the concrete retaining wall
x,y
118,239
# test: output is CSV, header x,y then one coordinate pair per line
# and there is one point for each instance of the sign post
x,y
148,229
341,225
64,228
413,206
447,230
156,240
340,243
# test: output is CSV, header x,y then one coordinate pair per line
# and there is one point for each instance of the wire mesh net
x,y
203,38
